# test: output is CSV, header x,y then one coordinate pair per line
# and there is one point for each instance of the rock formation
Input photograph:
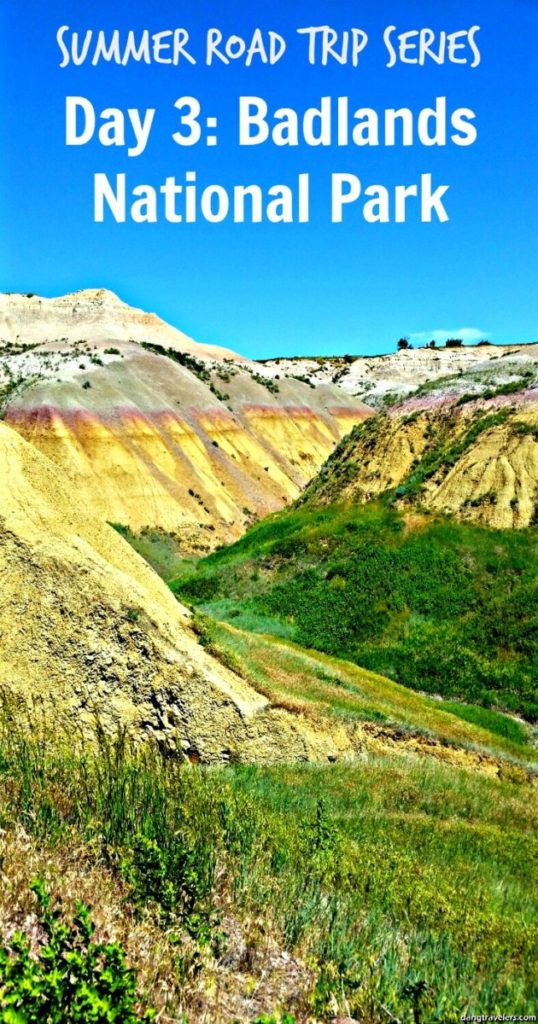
x,y
154,429
89,634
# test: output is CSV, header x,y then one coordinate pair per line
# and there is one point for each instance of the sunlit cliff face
x,y
477,461
88,633
197,442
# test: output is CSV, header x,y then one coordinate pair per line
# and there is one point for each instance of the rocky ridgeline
x,y
383,381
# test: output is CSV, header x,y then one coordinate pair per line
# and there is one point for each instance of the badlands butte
x,y
155,429
111,416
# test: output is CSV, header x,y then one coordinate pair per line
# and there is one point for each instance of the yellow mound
x,y
87,630
176,436
481,462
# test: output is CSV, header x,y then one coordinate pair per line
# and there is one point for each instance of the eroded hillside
x,y
155,430
251,888
441,371
89,632
473,458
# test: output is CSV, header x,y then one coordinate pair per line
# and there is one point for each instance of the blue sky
x,y
281,289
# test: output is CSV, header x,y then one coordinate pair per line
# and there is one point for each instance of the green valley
x,y
439,606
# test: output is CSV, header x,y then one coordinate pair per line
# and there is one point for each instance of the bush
x,y
70,979
175,880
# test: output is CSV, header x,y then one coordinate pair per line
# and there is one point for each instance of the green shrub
x,y
174,879
195,366
522,429
69,979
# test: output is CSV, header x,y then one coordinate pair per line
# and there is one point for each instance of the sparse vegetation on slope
x,y
445,452
196,366
179,418
476,460
162,549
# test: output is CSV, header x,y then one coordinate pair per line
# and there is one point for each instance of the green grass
x,y
444,607
159,548
313,683
408,888
405,882
501,725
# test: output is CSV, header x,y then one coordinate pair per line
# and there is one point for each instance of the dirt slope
x,y
87,628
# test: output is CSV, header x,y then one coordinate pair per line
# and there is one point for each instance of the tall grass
x,y
407,888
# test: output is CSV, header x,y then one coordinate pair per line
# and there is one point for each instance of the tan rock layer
x,y
154,429
493,480
88,632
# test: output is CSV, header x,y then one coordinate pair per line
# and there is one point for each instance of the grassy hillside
x,y
377,713
396,886
440,606
240,894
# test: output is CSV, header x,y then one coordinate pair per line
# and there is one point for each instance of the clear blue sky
x,y
280,289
